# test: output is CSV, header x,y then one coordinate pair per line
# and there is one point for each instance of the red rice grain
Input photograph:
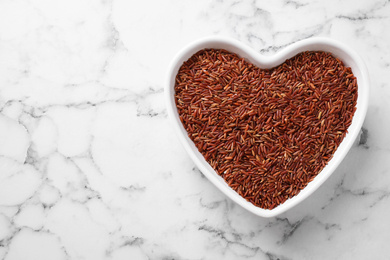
x,y
267,132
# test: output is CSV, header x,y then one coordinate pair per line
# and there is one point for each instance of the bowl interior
x,y
349,58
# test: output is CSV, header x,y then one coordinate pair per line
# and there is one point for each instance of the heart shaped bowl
x,y
350,59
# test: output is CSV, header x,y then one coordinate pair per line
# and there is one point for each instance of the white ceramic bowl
x,y
341,51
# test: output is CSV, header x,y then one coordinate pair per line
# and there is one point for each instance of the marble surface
x,y
90,167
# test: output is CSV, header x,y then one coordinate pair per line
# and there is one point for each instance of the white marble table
x,y
90,167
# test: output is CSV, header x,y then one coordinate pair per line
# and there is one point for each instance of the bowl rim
x,y
340,50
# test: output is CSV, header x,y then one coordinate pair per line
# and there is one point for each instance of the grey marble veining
x,y
90,167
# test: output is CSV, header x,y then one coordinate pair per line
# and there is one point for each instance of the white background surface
x,y
89,164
